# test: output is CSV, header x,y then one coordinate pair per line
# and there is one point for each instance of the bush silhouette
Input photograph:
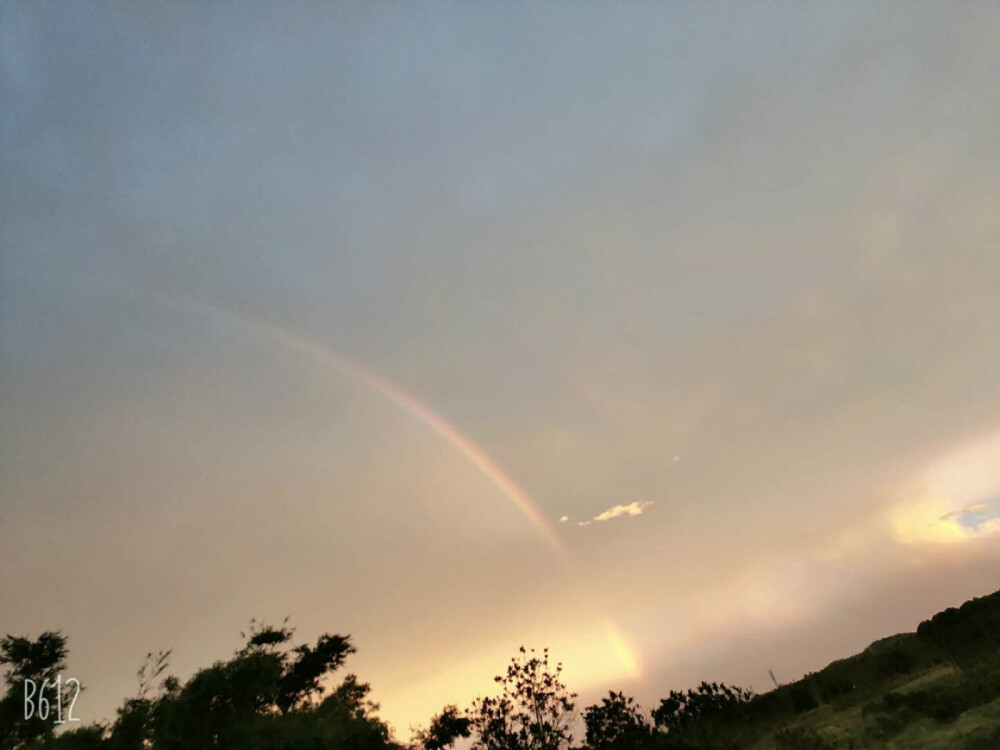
x,y
616,723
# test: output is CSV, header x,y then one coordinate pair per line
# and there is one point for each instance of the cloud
x,y
955,499
632,509
989,527
977,508
922,522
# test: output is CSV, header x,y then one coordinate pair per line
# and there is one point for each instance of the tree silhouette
x,y
223,705
36,660
531,713
616,723
710,703
133,728
447,727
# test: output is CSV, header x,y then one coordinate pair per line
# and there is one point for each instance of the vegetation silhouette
x,y
445,729
533,711
939,687
27,661
616,723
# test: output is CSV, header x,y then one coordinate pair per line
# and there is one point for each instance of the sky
x,y
662,335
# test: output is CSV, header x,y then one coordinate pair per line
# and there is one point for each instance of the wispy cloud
x,y
977,508
632,509
564,519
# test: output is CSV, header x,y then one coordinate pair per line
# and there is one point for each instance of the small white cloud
x,y
632,509
583,523
676,459
564,519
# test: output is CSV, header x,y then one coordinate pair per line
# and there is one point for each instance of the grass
x,y
845,725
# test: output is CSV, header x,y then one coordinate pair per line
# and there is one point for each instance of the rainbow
x,y
459,441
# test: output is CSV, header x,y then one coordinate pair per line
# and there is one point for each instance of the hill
x,y
938,687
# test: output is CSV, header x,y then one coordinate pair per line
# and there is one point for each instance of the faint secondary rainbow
x,y
460,442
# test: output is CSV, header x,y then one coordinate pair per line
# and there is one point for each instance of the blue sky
x,y
975,516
